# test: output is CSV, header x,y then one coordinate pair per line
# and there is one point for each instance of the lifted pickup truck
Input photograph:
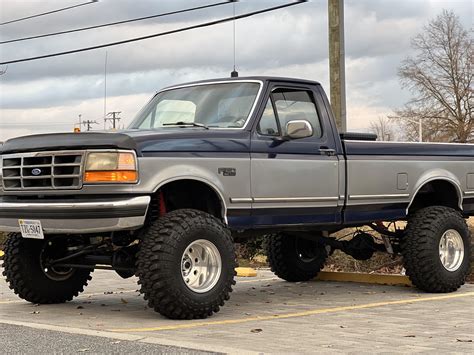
x,y
209,163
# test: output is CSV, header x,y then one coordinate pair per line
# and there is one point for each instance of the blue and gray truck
x,y
211,163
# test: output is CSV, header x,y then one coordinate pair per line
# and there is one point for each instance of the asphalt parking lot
x,y
265,314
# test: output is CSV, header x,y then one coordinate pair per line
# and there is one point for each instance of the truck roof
x,y
243,78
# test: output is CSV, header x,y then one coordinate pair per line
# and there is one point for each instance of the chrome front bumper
x,y
76,216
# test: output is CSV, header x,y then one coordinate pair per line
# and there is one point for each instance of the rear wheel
x,y
436,249
294,259
186,264
25,268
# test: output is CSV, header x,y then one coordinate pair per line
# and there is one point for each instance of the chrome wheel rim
x,y
451,250
201,266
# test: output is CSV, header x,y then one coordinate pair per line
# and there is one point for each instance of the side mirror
x,y
299,129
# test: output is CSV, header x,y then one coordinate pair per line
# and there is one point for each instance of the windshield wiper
x,y
182,123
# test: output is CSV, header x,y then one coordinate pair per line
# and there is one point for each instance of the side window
x,y
296,105
268,123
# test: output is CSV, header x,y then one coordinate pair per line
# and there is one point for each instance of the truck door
x,y
294,181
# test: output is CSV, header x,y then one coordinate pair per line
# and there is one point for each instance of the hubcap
x,y
451,250
201,266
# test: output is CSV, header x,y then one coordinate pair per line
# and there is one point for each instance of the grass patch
x,y
380,263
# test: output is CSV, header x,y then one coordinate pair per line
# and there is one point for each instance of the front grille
x,y
42,170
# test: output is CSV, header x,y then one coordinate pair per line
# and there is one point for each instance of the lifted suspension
x,y
99,256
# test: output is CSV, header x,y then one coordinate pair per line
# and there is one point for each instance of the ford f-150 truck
x,y
211,163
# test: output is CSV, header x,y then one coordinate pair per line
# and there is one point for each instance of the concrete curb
x,y
245,272
379,279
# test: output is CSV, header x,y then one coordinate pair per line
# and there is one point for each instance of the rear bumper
x,y
76,216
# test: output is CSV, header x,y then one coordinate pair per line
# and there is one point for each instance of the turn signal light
x,y
111,176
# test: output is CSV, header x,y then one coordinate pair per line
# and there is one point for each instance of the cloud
x,y
51,92
15,122
43,94
206,47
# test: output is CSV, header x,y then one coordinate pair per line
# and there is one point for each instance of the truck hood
x,y
143,142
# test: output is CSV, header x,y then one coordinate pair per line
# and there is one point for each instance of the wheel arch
x,y
203,182
432,184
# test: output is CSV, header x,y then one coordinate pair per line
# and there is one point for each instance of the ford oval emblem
x,y
36,172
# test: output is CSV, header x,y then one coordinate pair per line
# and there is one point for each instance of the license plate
x,y
31,229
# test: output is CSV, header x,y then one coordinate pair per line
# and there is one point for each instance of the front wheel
x,y
293,258
186,264
26,269
436,249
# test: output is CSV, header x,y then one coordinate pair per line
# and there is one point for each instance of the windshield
x,y
225,105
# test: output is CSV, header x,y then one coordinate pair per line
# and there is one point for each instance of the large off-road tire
x,y
30,280
294,259
436,249
186,264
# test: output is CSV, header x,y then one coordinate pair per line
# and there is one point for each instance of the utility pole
x,y
337,77
88,124
113,116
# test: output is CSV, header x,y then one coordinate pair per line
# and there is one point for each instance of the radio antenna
x,y
234,73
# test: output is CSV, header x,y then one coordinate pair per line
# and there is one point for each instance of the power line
x,y
116,23
183,29
49,12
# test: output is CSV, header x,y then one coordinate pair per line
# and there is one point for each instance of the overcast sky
x,y
48,95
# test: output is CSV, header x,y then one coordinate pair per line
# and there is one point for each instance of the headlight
x,y
119,167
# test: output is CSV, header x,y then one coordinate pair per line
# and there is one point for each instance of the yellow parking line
x,y
6,302
256,280
293,315
105,293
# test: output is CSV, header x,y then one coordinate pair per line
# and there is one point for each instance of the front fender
x,y
155,174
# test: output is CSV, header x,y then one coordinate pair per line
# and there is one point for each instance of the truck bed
x,y
383,178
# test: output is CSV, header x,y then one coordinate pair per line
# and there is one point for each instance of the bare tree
x,y
383,128
440,77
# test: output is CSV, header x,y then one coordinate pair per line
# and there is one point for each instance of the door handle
x,y
327,151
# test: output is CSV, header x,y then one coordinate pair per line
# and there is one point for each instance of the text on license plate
x,y
31,228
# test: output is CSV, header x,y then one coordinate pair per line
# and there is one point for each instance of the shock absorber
x,y
161,204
